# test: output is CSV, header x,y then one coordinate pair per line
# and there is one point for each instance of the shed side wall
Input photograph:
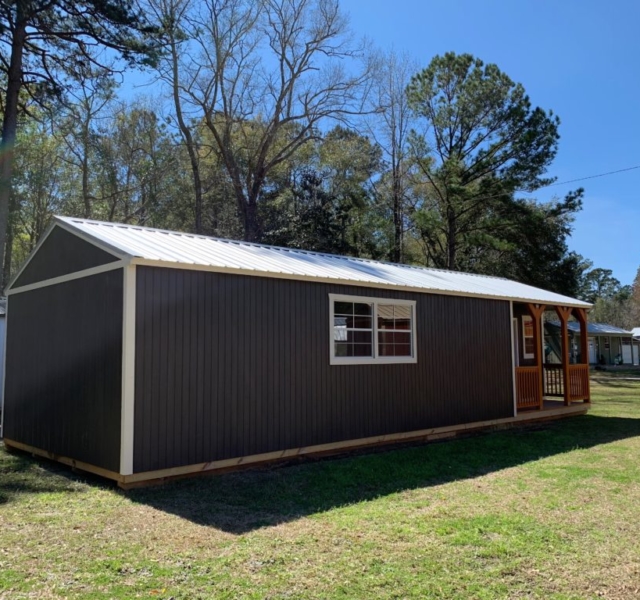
x,y
64,363
230,366
60,254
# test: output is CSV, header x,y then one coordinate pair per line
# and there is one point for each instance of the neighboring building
x,y
141,354
635,332
608,345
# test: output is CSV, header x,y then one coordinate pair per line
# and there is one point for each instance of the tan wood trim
x,y
564,313
221,466
427,435
76,464
581,315
536,311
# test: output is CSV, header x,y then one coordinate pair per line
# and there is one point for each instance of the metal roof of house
x,y
594,328
636,332
170,248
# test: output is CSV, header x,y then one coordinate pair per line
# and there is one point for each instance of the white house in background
x,y
636,333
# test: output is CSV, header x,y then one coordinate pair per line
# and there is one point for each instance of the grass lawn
x,y
548,512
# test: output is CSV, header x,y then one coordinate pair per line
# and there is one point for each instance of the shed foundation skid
x,y
550,412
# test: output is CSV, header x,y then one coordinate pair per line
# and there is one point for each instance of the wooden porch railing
x,y
528,387
553,380
578,382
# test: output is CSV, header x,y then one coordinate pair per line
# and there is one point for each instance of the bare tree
x,y
265,75
83,107
390,127
171,16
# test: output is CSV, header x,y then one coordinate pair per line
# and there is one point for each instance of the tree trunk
x,y
188,139
251,223
85,170
9,128
397,212
451,241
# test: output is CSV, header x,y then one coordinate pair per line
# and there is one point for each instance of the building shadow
x,y
241,502
21,474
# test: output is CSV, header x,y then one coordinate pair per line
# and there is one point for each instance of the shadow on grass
x,y
617,383
241,502
20,474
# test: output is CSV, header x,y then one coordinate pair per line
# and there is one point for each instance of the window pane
x,y
361,309
402,312
360,337
402,338
340,321
340,334
385,350
394,350
362,350
360,323
385,337
403,323
343,308
402,350
344,349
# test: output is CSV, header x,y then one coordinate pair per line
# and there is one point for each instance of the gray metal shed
x,y
143,354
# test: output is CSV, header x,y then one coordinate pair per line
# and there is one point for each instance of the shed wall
x,y
60,254
231,365
64,363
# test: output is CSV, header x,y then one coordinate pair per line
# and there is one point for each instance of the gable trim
x,y
69,277
79,234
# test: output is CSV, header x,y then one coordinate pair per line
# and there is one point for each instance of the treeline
x,y
272,124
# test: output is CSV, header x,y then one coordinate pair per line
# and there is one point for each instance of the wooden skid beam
x,y
161,476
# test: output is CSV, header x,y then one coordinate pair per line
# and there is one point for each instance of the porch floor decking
x,y
555,406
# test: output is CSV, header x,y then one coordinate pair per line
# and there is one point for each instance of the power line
x,y
592,176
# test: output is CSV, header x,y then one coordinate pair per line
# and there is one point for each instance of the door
x,y
627,359
593,353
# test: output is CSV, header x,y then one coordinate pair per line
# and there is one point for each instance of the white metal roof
x,y
594,328
173,249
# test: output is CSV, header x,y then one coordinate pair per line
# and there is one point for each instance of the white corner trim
x,y
4,370
119,264
128,370
513,359
375,359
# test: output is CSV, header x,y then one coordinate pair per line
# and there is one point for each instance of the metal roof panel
x,y
183,249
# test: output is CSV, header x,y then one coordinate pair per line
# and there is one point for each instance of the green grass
x,y
546,512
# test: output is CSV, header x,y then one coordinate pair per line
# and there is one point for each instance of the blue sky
x,y
580,59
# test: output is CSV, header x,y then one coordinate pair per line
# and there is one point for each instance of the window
x,y
371,330
527,337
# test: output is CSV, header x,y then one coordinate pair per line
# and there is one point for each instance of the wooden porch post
x,y
581,314
536,310
564,313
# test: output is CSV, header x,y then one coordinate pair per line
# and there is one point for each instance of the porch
x,y
540,384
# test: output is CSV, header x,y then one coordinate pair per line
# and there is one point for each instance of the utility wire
x,y
592,176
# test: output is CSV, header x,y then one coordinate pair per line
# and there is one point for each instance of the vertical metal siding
x,y
64,364
231,365
60,254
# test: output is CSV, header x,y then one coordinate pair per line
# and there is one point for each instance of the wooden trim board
x,y
76,464
221,466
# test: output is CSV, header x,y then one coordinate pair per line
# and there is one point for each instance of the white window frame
x,y
375,359
527,318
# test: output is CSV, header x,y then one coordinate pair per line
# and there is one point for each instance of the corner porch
x,y
540,384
